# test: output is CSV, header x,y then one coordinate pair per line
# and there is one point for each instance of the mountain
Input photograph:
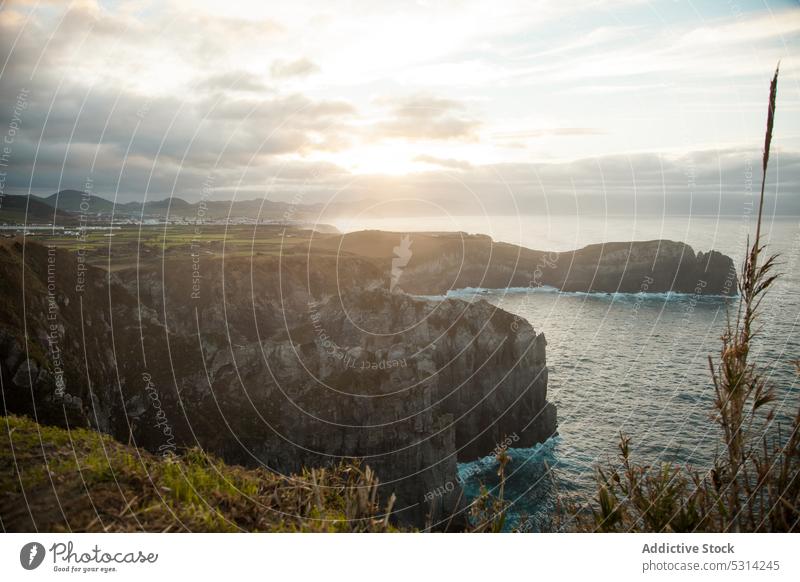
x,y
175,206
79,202
30,210
97,208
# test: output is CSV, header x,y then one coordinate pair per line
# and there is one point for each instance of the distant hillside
x,y
178,208
30,210
174,208
78,202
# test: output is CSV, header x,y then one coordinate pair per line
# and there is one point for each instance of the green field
x,y
131,245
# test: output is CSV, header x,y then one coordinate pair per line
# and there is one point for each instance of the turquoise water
x,y
637,363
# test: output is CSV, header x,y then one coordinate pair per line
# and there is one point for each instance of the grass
x,y
149,245
80,480
754,484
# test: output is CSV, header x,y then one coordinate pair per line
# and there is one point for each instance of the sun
x,y
394,158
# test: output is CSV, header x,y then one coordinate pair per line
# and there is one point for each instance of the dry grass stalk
x,y
755,484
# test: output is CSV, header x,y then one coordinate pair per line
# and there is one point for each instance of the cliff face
x,y
301,358
285,361
652,266
442,261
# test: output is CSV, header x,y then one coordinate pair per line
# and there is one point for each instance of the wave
x,y
547,451
476,292
530,477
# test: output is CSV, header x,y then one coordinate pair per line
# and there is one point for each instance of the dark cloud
x,y
709,182
724,181
72,128
133,137
255,140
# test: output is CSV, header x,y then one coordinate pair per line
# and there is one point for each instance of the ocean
x,y
632,363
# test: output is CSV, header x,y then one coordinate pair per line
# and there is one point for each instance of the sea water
x,y
631,363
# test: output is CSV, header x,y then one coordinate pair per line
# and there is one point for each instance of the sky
x,y
474,106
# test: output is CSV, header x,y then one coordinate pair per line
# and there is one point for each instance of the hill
x,y
30,210
79,202
76,201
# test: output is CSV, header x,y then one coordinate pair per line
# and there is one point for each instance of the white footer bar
x,y
401,557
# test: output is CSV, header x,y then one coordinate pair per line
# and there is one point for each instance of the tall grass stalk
x,y
754,485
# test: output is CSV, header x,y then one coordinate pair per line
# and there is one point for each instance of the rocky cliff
x,y
283,361
438,262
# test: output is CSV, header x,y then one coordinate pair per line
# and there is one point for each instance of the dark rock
x,y
281,367
444,261
27,374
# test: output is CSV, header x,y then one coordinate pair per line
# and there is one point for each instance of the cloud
x,y
423,117
444,163
241,81
709,181
154,97
299,68
749,29
553,131
717,48
90,114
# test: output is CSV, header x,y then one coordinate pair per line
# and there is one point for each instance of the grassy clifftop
x,y
80,480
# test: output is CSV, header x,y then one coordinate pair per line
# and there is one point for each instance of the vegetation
x,y
131,245
80,480
487,513
754,484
